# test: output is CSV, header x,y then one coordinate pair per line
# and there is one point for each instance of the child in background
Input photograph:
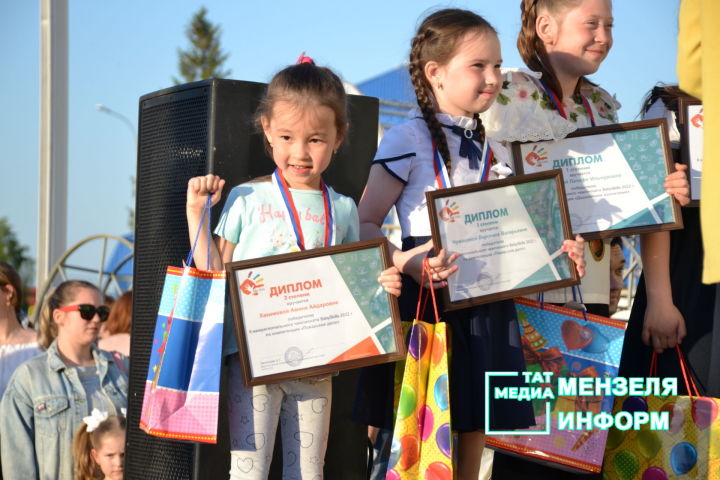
x,y
99,447
455,69
304,119
672,305
562,41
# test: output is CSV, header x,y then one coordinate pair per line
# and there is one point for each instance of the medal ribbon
x,y
282,187
441,176
559,106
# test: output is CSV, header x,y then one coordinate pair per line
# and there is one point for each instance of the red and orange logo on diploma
x,y
252,285
449,211
697,120
536,157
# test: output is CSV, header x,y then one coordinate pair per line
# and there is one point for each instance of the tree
x,y
12,252
204,58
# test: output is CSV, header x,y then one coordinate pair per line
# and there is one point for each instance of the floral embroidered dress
x,y
523,112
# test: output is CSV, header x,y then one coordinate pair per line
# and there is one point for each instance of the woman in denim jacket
x,y
49,395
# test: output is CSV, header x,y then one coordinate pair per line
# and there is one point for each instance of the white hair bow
x,y
95,419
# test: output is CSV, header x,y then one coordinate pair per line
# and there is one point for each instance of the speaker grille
x,y
172,147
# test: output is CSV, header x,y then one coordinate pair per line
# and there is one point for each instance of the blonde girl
x,y
99,447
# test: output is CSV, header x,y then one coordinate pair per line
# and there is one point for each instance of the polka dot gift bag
x,y
422,445
688,446
182,387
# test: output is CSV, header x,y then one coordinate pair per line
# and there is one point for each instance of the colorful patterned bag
x,y
568,343
422,445
689,449
182,389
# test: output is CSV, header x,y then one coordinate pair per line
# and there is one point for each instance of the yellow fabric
x,y
699,65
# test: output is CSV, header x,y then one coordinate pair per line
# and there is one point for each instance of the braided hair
x,y
531,47
437,40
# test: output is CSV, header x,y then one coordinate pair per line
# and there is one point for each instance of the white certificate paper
x,y
612,180
509,237
695,139
314,311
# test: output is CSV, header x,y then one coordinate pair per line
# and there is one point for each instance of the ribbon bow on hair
x,y
468,149
303,59
95,419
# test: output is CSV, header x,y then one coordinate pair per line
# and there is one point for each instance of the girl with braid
x,y
455,70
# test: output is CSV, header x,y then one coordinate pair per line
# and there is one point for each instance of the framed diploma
x,y
613,176
509,234
691,124
314,312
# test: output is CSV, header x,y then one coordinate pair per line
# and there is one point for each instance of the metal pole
x,y
52,217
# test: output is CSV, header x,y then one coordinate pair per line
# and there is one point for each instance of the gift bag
x,y
182,388
690,448
569,343
422,444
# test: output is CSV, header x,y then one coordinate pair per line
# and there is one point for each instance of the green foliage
x,y
16,255
203,58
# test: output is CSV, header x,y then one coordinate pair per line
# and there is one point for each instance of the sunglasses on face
x,y
87,312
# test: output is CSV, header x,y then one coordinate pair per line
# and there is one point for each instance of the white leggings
x,y
303,407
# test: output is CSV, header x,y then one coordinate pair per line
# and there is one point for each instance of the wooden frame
x,y
684,103
436,219
676,223
298,353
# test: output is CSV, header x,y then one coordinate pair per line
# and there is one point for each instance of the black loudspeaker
x,y
194,129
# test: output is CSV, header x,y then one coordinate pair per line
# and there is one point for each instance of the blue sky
x,y
120,51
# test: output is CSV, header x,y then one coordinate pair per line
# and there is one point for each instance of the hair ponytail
x,y
436,40
85,466
531,47
423,93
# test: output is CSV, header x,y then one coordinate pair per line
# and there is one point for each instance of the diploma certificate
x,y
509,234
691,121
613,176
314,312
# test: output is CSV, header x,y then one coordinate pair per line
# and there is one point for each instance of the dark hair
x,y
9,276
669,94
120,317
85,467
616,241
61,296
531,47
305,84
437,39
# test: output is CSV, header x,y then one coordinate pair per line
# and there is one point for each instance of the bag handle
x,y
581,304
420,311
690,384
206,209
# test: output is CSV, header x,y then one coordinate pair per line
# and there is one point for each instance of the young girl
x,y
99,447
455,70
304,119
49,395
671,304
562,41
